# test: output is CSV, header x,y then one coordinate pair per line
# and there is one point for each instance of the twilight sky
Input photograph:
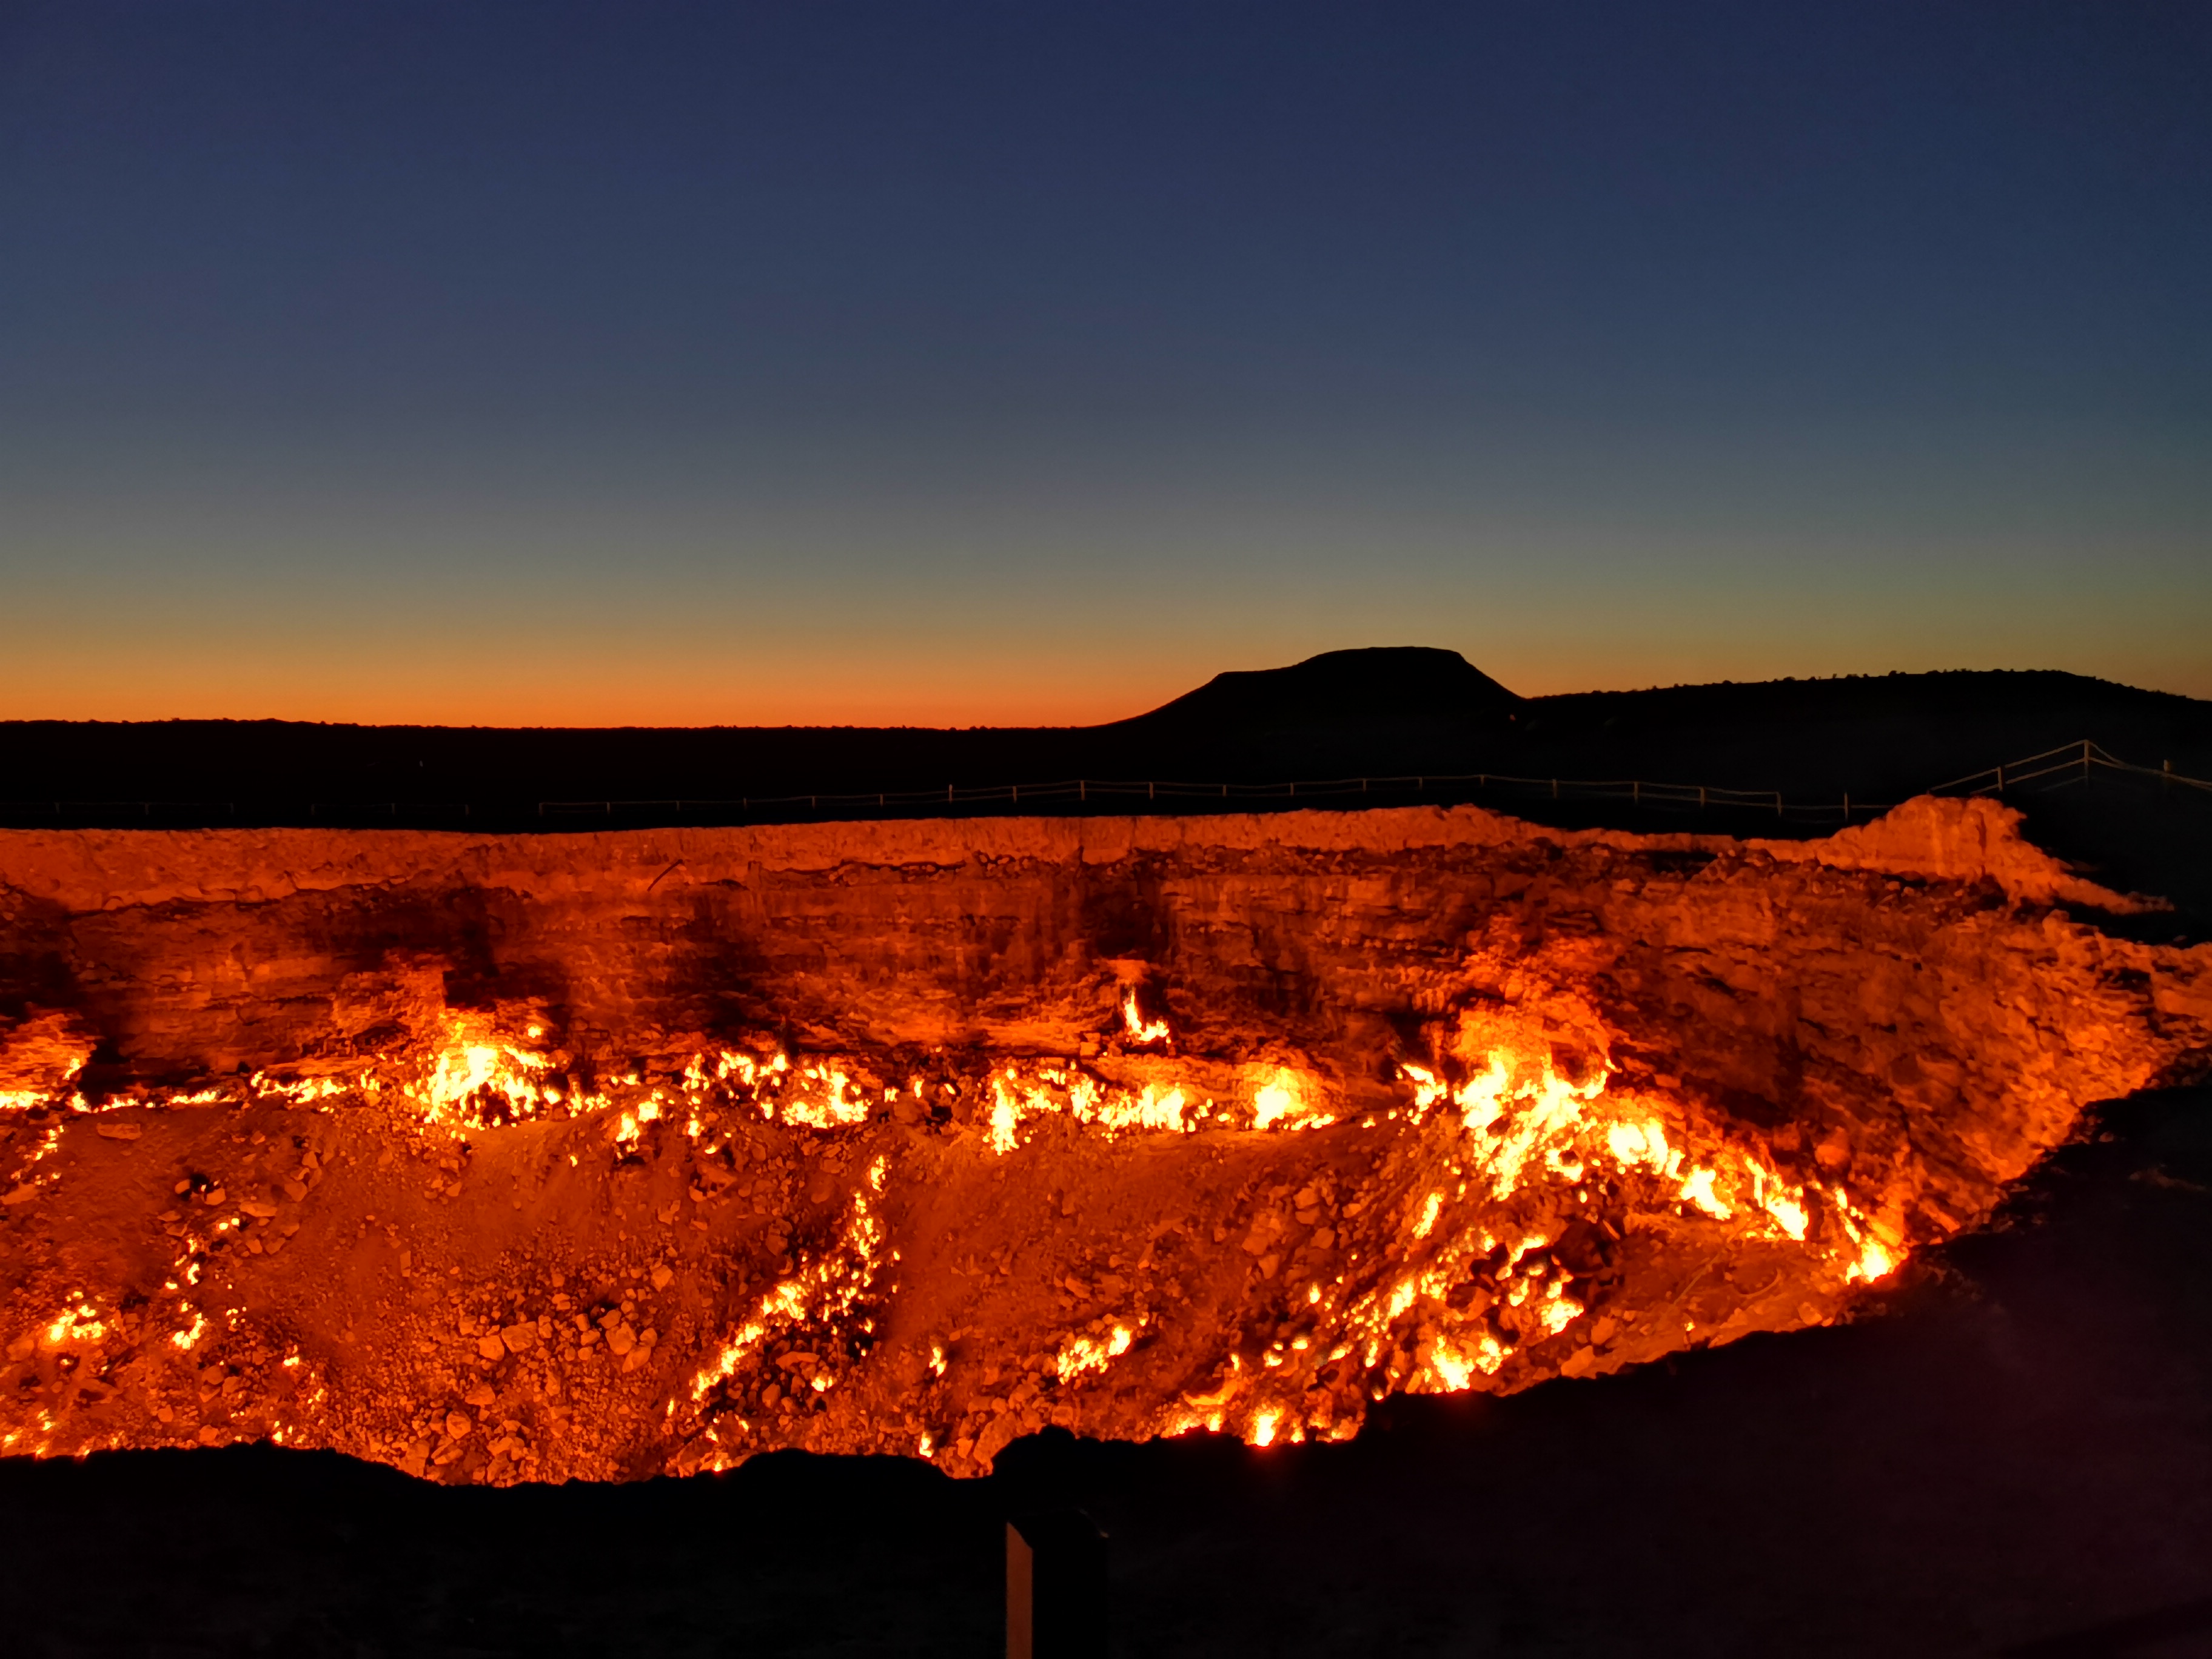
x,y
948,364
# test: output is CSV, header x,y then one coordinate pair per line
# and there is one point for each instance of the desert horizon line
x,y
673,709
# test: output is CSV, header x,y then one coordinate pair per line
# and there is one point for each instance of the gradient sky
x,y
951,364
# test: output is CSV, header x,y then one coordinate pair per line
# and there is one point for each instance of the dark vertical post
x,y
1055,1587
1021,1595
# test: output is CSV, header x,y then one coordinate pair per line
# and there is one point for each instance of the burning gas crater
x,y
874,1144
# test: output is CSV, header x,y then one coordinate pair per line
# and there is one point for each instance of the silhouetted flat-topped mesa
x,y
1381,685
1381,710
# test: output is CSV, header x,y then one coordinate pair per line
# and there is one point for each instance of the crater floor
x,y
507,1158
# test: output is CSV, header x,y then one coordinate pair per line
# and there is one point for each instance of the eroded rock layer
x,y
533,1157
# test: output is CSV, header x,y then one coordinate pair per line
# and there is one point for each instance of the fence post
x,y
2001,780
1635,793
2084,760
1777,803
1847,806
1555,789
1056,1586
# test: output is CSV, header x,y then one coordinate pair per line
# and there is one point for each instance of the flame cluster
x,y
1467,1286
1442,1281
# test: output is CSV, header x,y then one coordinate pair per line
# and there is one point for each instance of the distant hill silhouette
x,y
1377,685
1345,713
1882,737
1386,709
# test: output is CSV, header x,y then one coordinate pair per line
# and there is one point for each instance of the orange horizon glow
x,y
934,706
560,681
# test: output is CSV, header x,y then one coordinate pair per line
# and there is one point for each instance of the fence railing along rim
x,y
2079,758
1177,789
2082,753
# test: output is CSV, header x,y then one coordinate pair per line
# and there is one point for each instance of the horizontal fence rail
x,y
2070,764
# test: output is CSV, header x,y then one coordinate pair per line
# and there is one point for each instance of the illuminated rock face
x,y
599,1156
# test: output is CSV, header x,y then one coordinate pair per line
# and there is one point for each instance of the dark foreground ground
x,y
2018,1450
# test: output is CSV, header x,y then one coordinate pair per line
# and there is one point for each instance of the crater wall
x,y
537,1157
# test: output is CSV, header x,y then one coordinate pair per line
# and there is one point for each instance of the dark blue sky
x,y
825,361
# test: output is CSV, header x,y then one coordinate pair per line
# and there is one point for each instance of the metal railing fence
x,y
2070,765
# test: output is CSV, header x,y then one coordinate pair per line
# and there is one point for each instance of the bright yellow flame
x,y
1875,1262
1430,1210
1284,1100
1004,1116
1080,1353
1140,1029
840,1106
1698,1189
